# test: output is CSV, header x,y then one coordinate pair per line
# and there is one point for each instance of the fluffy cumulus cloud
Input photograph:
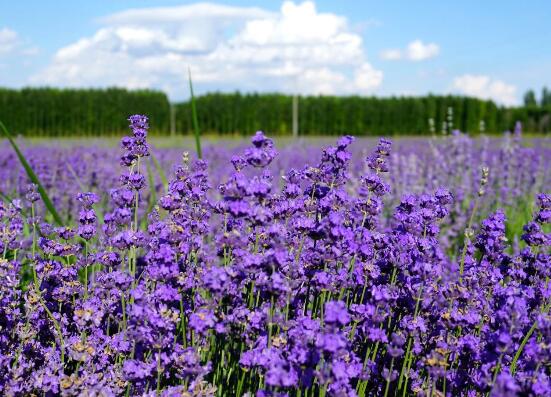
x,y
8,40
415,51
418,51
297,48
14,47
484,87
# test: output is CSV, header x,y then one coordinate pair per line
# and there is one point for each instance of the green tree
x,y
545,97
530,98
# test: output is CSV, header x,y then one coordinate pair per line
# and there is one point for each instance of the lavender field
x,y
346,267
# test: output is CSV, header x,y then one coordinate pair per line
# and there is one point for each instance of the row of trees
x,y
246,113
544,101
79,112
99,112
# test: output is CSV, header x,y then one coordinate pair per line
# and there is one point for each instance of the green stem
x,y
270,324
513,366
496,372
35,277
240,382
85,270
389,377
58,330
159,373
406,365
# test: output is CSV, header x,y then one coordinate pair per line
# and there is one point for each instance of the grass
x,y
208,138
33,177
196,131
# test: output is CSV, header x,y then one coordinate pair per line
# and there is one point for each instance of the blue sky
x,y
491,49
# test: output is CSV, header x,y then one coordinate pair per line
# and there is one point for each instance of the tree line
x,y
80,112
238,113
530,99
101,112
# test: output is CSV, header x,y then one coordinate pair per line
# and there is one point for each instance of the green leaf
x,y
32,176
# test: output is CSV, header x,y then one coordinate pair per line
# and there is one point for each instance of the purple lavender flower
x,y
288,278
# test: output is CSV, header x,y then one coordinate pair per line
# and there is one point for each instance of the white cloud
x,y
367,78
8,40
415,51
12,44
30,51
197,11
391,54
226,47
418,51
484,87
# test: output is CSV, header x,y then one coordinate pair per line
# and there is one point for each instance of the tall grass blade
x,y
83,189
152,188
8,199
77,179
5,198
32,176
160,171
194,119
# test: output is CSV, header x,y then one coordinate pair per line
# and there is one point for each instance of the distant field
x,y
187,140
